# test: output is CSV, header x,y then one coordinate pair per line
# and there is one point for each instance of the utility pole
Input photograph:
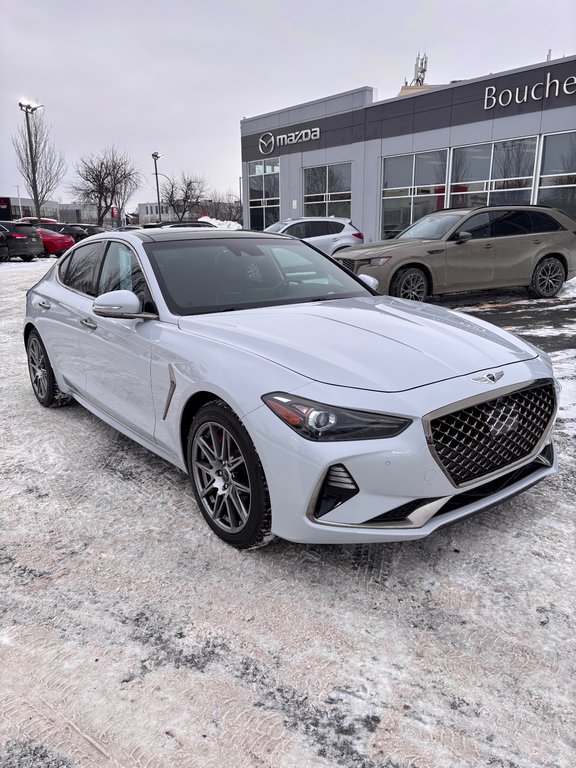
x,y
29,108
156,156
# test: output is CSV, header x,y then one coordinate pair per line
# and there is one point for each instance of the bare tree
x,y
186,195
125,191
104,179
46,161
225,207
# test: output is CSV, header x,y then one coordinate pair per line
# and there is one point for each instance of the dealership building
x,y
507,138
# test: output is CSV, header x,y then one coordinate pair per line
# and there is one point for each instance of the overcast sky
x,y
177,76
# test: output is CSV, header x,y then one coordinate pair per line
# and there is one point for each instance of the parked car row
x,y
454,250
30,238
451,250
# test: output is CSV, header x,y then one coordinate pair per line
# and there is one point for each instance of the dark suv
x,y
472,249
22,240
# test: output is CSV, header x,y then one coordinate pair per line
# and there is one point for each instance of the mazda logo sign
x,y
266,143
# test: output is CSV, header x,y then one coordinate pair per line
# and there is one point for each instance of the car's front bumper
x,y
402,491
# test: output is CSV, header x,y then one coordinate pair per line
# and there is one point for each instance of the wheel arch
x,y
560,256
191,408
414,265
28,328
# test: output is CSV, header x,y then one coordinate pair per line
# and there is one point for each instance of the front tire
x,y
547,279
409,283
42,375
26,258
227,478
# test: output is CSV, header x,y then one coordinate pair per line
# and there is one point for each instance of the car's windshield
x,y
432,227
199,276
277,227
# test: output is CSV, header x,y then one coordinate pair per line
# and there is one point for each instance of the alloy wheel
x,y
221,476
550,278
413,287
37,367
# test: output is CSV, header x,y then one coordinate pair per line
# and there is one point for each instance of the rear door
x,y
63,306
515,247
321,234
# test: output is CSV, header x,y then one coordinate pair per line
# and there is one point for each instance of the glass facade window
x,y
557,185
481,173
328,190
264,192
412,186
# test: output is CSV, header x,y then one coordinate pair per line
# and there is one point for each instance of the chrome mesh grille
x,y
483,438
348,263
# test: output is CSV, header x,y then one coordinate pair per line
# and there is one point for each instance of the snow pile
x,y
221,224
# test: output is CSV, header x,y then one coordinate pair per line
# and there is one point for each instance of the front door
x,y
470,265
117,352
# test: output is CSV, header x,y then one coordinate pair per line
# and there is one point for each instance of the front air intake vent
x,y
337,488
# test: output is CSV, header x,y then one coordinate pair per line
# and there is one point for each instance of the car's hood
x,y
376,343
369,250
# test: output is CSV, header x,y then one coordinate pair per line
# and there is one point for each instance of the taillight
x,y
359,235
19,237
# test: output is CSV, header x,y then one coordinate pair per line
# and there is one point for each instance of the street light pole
x,y
156,156
28,108
19,200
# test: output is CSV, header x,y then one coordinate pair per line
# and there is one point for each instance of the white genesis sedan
x,y
301,403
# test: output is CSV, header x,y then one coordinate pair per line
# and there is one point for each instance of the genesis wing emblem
x,y
489,377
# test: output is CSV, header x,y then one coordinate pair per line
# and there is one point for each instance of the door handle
x,y
88,324
537,241
45,304
488,245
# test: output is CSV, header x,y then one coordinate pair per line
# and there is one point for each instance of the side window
x,y
121,271
478,226
335,227
80,269
317,228
509,223
297,230
541,222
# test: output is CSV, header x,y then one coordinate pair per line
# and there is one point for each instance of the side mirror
x,y
120,304
370,281
463,237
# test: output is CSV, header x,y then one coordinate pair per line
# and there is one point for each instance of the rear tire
x,y
228,478
410,283
42,375
26,258
547,279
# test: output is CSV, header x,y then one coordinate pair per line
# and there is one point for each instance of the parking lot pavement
x,y
131,636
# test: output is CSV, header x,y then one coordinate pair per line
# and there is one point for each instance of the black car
x,y
75,231
90,229
22,239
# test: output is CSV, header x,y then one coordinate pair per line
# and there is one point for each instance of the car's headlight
x,y
379,261
320,422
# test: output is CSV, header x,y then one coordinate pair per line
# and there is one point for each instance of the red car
x,y
54,243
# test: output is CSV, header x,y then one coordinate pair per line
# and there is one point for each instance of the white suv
x,y
328,234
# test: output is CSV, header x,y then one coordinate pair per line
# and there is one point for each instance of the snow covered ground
x,y
131,637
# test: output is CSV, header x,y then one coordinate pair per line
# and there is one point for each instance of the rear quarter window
x,y
541,222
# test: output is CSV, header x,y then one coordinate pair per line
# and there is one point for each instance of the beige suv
x,y
473,249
